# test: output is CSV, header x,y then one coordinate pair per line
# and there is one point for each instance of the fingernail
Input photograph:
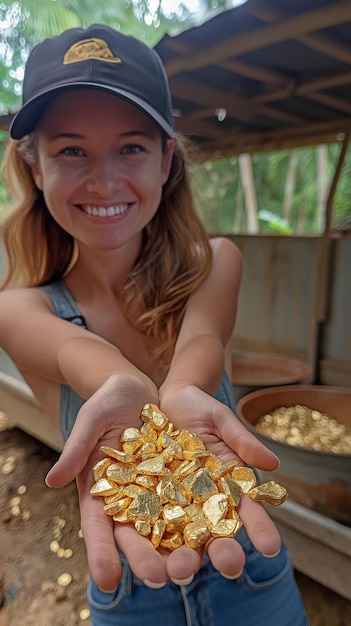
x,y
151,585
271,556
109,591
234,577
183,581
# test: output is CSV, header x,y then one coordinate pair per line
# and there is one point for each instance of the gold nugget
x,y
190,441
123,457
157,532
152,415
100,468
200,485
130,434
216,508
172,542
143,527
269,492
146,506
226,528
103,487
172,488
245,477
121,474
232,489
175,517
152,466
112,508
196,533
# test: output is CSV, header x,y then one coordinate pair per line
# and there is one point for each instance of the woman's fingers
x,y
72,461
145,562
182,564
104,563
260,528
227,556
242,442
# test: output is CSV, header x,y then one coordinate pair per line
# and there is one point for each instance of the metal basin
x,y
257,370
316,479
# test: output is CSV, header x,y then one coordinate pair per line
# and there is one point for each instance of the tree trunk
x,y
290,183
322,185
248,184
238,210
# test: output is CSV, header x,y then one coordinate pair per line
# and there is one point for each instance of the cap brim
x,y
28,116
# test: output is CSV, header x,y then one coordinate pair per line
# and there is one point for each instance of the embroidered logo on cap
x,y
87,49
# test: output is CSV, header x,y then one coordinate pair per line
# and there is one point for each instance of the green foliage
x,y
215,186
220,201
342,203
274,223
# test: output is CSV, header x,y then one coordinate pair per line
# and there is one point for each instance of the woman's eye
x,y
73,151
132,149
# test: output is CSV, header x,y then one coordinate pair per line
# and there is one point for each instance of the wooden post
x,y
325,243
247,180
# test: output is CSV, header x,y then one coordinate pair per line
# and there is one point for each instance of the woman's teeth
x,y
109,211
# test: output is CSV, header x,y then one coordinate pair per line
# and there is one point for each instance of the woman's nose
x,y
104,177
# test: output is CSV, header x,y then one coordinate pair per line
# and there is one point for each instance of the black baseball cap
x,y
98,57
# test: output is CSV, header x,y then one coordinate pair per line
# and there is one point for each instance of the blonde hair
x,y
174,259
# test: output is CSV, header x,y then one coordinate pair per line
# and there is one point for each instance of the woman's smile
x,y
109,211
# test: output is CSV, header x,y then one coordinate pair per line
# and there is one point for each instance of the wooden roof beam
x,y
328,82
196,126
239,108
255,73
312,86
330,101
328,46
254,143
318,129
290,28
235,66
307,91
321,42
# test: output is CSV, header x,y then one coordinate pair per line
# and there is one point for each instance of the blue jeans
x,y
265,594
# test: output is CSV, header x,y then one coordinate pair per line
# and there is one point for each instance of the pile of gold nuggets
x,y
172,488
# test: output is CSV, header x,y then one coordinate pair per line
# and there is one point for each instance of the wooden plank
x,y
319,546
21,406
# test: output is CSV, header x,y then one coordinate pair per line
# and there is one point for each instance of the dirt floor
x,y
43,568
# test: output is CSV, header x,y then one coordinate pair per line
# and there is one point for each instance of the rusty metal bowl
x,y
319,480
257,370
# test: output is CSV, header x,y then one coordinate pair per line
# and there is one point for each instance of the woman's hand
x,y
225,436
116,406
101,420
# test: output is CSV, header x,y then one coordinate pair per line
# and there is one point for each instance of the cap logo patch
x,y
87,49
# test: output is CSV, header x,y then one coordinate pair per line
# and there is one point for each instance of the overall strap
x,y
63,302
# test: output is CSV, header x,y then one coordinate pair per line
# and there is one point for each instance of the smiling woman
x,y
125,298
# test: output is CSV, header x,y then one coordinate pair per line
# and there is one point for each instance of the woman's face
x,y
101,167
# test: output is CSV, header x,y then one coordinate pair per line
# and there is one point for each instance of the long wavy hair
x,y
175,256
